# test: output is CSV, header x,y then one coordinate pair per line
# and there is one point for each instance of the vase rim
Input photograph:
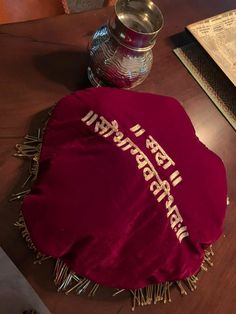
x,y
149,5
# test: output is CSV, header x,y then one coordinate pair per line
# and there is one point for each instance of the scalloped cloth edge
x,y
68,281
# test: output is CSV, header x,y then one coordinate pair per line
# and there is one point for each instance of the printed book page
x,y
217,35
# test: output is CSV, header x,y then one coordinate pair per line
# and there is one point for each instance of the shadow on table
x,y
68,68
180,39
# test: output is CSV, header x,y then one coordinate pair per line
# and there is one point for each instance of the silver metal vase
x,y
121,51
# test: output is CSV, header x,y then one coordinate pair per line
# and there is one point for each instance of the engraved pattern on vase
x,y
117,65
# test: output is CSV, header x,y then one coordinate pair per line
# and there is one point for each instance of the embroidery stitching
x,y
159,188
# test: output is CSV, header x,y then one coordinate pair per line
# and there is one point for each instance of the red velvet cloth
x,y
92,207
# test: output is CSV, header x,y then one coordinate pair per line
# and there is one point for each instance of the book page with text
x,y
217,35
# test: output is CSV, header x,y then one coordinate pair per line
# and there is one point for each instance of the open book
x,y
217,35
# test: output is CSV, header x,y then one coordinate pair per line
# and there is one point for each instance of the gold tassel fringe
x,y
161,292
30,149
68,281
26,236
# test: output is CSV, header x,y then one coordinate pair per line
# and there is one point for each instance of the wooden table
x,y
41,61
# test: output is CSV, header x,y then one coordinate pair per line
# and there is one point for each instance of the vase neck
x,y
130,38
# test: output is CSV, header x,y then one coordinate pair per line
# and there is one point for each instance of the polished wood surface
x,y
41,61
24,10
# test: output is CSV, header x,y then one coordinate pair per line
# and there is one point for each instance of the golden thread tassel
x,y
134,292
181,288
142,297
41,258
83,286
66,282
207,259
94,290
168,292
25,150
78,285
19,196
203,267
118,292
191,284
76,277
164,293
61,272
138,297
